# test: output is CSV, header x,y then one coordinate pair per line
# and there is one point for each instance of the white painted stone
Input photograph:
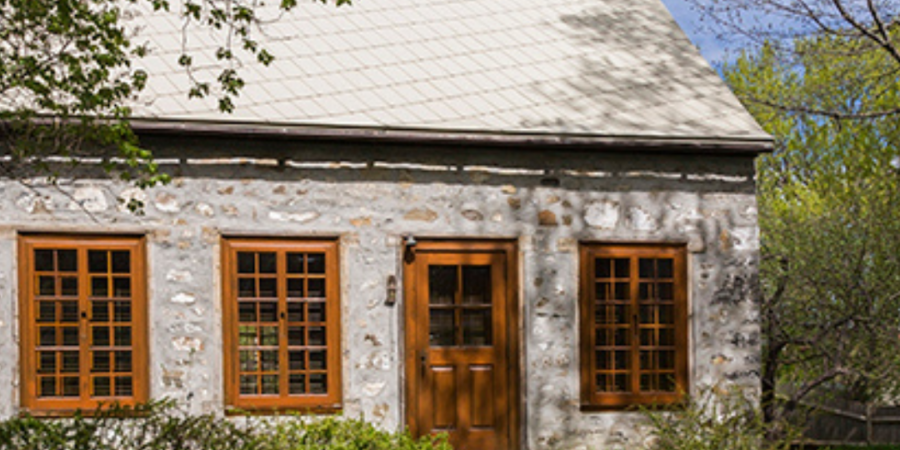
x,y
381,360
373,389
182,276
745,238
32,204
26,202
184,298
90,198
166,202
751,212
131,194
641,220
603,214
373,374
303,217
205,209
187,344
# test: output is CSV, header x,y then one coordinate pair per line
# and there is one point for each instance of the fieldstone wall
x,y
368,198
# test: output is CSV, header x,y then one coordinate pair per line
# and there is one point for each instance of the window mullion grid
x,y
594,328
281,311
307,375
84,308
258,344
634,283
457,310
591,318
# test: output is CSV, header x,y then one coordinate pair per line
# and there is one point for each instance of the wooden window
x,y
633,325
282,324
83,322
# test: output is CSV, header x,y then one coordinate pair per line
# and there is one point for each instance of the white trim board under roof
x,y
556,71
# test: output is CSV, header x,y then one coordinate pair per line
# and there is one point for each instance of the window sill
x,y
282,410
633,407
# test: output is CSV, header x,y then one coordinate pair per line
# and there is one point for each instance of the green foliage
x,y
829,211
715,421
339,433
66,80
865,447
834,51
160,426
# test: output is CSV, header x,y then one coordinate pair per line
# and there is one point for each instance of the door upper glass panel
x,y
460,305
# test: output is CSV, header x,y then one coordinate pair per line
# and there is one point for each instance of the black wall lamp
x,y
409,244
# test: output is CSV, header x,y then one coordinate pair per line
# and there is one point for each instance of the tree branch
x,y
884,43
808,387
837,115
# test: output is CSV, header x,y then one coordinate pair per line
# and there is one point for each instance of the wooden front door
x,y
461,344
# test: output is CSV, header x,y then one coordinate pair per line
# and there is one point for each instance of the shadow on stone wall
x,y
586,170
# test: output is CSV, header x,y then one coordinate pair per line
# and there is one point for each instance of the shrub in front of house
x,y
714,420
338,433
160,426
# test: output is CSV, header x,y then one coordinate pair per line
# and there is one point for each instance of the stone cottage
x,y
510,220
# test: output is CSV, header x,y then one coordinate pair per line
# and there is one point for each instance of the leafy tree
x,y
829,205
849,33
66,78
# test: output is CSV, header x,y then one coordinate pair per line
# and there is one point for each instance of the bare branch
x,y
884,43
810,385
837,115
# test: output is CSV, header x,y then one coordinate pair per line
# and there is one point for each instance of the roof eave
x,y
750,145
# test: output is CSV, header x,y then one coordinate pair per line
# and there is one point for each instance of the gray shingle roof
x,y
557,67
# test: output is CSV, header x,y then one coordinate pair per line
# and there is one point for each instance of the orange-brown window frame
x,y
593,398
283,401
29,316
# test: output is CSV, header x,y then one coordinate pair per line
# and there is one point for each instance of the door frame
x,y
514,323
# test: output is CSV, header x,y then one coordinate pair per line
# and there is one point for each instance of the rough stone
x,y
187,344
204,209
642,220
373,389
184,279
603,215
90,198
361,222
547,218
472,215
302,217
181,276
173,378
132,195
40,206
421,214
166,202
566,245
184,298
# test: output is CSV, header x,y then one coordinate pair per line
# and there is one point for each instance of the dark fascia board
x,y
657,144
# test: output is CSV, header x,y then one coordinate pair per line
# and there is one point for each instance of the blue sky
x,y
712,49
